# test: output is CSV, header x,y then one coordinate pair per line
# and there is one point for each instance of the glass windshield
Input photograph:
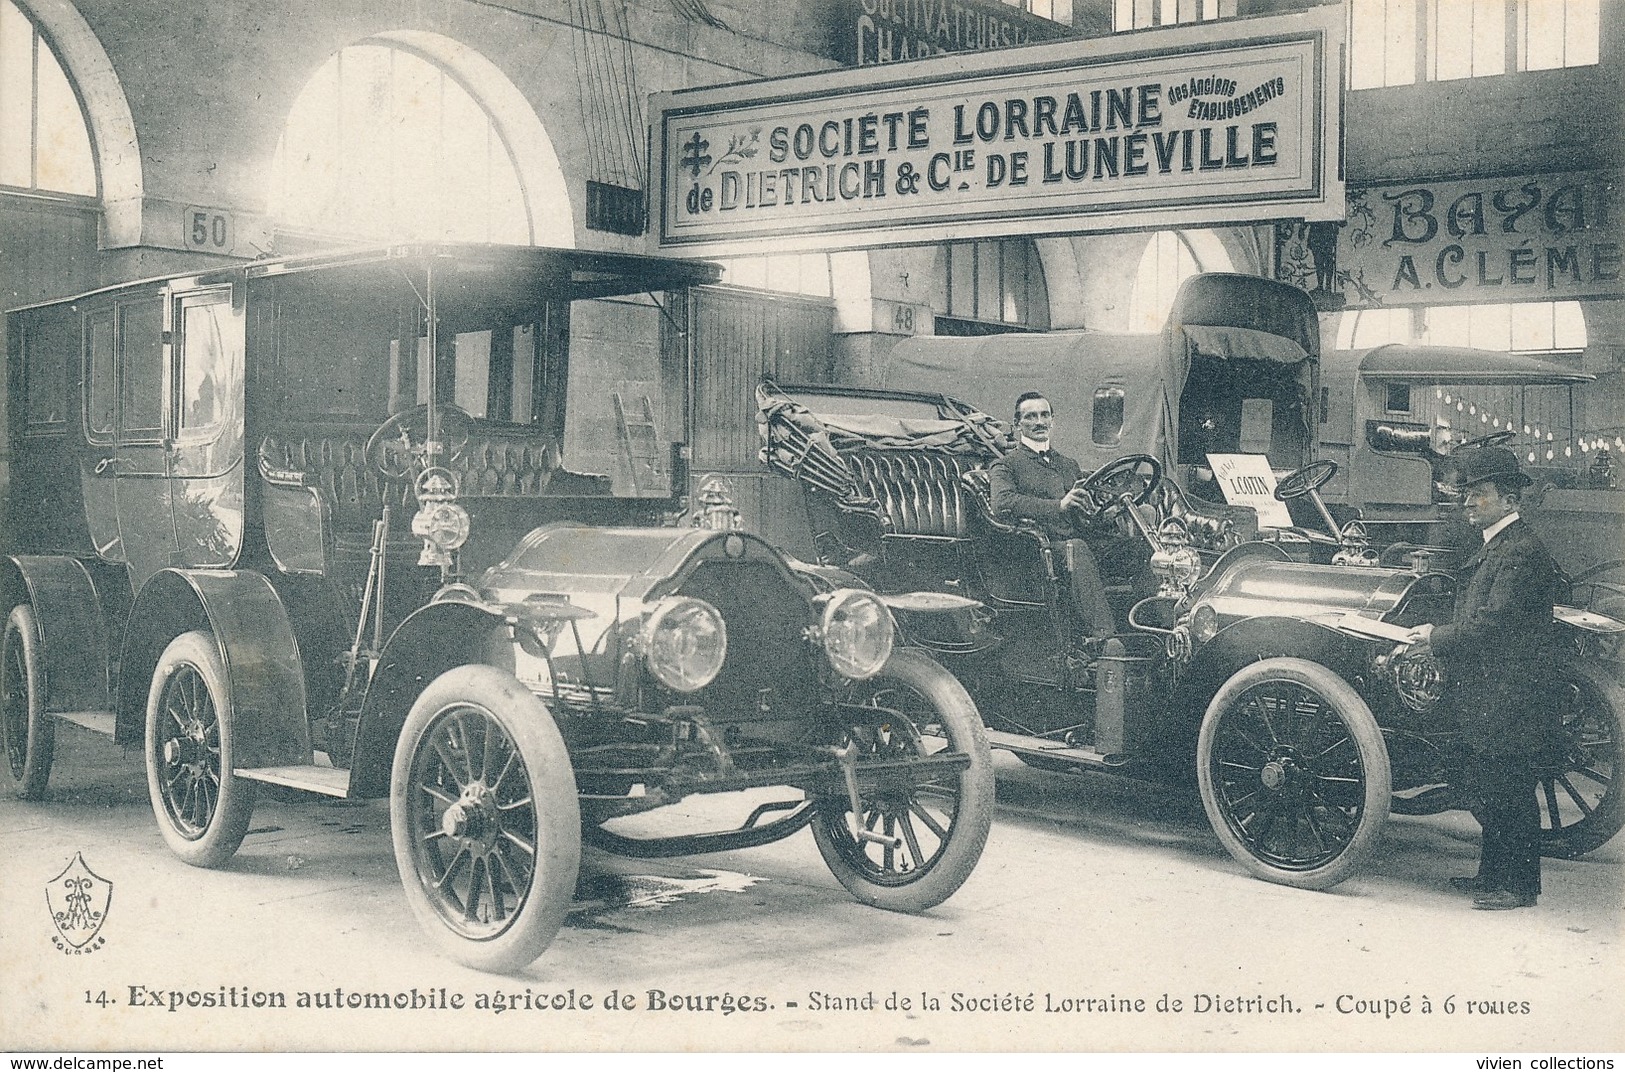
x,y
348,346
353,346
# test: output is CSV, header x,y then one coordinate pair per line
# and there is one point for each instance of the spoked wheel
x,y
202,808
30,734
484,818
1580,803
1293,773
935,826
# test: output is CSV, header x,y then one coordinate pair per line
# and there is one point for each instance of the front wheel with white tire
x,y
202,808
1293,772
921,832
484,818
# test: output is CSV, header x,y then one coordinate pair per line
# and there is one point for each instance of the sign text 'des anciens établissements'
x,y
1074,136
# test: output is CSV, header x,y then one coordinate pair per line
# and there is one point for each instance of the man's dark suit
x,y
1498,649
1029,483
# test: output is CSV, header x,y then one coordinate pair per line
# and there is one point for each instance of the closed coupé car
x,y
308,523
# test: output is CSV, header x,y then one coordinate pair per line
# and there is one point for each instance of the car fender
x,y
1266,637
433,639
265,681
942,622
71,608
825,578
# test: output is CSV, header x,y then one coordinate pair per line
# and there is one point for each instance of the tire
x,y
488,864
911,707
202,808
30,734
1321,765
1581,808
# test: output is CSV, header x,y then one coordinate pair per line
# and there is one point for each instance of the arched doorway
x,y
1170,258
410,135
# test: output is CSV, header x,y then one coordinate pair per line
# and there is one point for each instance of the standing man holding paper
x,y
1497,649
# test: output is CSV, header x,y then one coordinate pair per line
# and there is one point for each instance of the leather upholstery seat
x,y
921,494
332,459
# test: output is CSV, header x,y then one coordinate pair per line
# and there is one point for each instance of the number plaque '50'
x,y
208,230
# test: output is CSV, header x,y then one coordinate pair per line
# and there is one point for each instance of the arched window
x,y
1170,258
1525,328
44,141
990,286
384,142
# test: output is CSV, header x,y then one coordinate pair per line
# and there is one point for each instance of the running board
x,y
1050,749
102,722
329,781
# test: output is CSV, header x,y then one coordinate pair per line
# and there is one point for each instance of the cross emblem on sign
x,y
694,154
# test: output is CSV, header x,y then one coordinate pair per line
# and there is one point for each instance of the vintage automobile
x,y
1387,424
306,523
1279,685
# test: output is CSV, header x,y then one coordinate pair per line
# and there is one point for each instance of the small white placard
x,y
1247,480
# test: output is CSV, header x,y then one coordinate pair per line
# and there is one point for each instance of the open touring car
x,y
1268,668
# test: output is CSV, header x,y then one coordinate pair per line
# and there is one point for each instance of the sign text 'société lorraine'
x,y
1229,132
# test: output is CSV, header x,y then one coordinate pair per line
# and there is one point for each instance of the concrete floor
x,y
1090,888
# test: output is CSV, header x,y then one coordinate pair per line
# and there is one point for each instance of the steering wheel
x,y
1135,475
1311,477
1494,439
397,447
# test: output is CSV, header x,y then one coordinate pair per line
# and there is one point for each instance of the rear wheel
x,y
484,818
30,734
1293,773
939,824
1581,807
202,808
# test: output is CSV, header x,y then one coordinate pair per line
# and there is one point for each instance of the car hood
x,y
566,560
1256,588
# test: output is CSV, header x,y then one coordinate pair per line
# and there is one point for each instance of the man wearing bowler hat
x,y
1497,649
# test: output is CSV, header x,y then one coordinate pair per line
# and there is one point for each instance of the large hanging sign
x,y
1525,238
1167,128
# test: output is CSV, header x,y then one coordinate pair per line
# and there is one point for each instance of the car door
x,y
206,427
126,469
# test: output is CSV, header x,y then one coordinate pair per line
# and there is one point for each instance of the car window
x,y
334,344
1107,425
1257,425
493,374
51,343
360,353
101,408
204,358
142,358
471,351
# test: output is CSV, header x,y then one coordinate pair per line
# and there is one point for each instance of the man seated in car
x,y
1037,481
